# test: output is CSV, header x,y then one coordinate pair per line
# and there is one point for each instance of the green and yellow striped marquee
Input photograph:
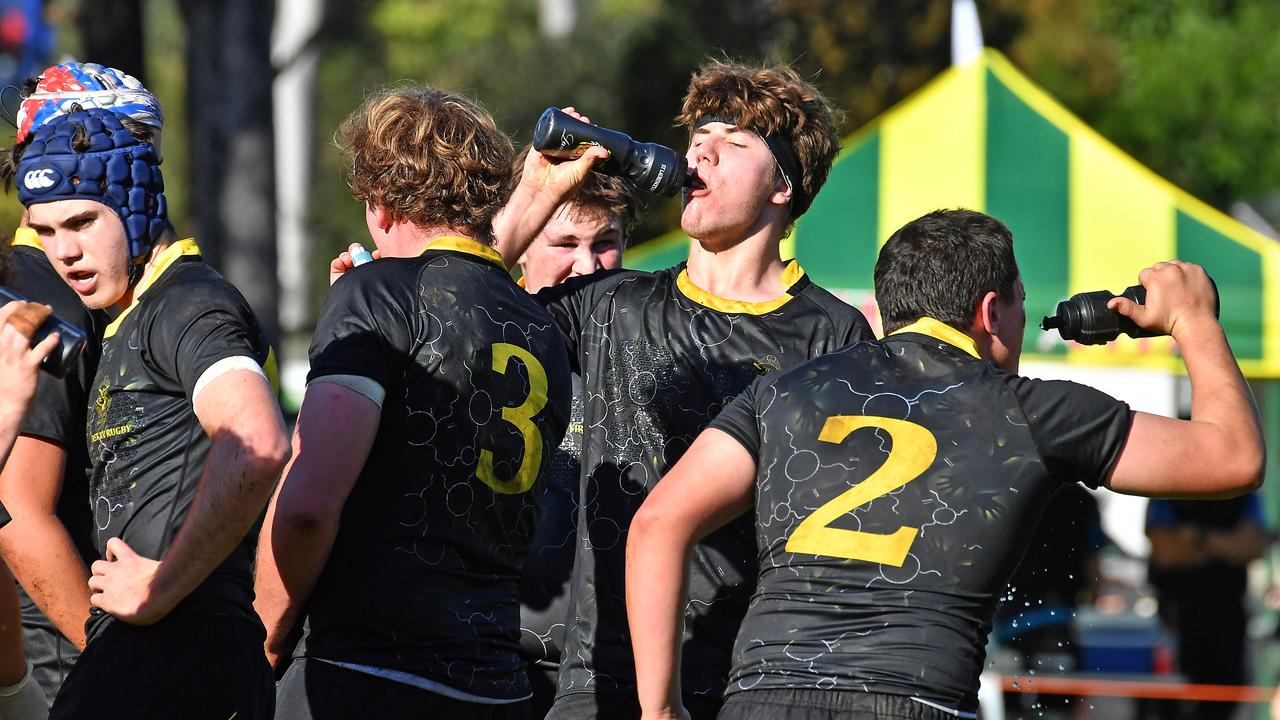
x,y
1085,216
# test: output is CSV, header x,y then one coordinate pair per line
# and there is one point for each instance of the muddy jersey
x,y
423,580
544,589
898,484
146,444
57,413
659,358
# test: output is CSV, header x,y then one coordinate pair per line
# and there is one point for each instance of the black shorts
x,y
316,690
190,667
825,705
623,706
544,678
51,655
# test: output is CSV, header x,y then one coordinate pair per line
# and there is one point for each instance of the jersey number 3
x,y
521,417
913,451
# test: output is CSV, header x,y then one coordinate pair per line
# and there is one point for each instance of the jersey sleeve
x,y
858,329
848,323
1079,431
52,415
741,419
210,323
364,329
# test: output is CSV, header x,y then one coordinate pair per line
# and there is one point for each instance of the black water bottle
x,y
71,339
1086,319
650,166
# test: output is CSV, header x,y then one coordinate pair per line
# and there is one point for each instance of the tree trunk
x,y
113,38
232,169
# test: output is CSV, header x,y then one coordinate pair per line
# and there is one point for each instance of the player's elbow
x,y
265,453
300,520
645,525
276,454
1240,469
1252,467
652,525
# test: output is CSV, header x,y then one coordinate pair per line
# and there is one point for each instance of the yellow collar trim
x,y
26,237
460,244
790,276
167,257
939,330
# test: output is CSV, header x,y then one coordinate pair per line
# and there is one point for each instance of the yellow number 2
x,y
913,451
522,418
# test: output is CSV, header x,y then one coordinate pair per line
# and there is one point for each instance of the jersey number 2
x,y
913,451
522,418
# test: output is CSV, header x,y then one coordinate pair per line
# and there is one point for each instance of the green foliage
x,y
1189,87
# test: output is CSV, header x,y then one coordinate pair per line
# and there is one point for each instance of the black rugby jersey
x,y
146,444
424,574
57,413
659,357
544,589
898,484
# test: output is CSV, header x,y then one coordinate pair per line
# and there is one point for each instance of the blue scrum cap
x,y
116,169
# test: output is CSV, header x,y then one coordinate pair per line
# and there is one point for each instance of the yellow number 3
x,y
913,451
522,418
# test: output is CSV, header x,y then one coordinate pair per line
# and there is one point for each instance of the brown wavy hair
x,y
611,196
769,100
429,157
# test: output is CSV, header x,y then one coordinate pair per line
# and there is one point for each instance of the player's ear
x,y
986,318
378,217
781,193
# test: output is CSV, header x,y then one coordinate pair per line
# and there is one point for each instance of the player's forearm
x,y
292,551
1238,546
521,219
42,557
11,412
335,430
13,664
1177,548
233,489
1220,397
657,590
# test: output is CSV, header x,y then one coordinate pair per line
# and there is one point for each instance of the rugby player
x,y
586,234
21,696
49,543
661,353
438,391
185,435
896,484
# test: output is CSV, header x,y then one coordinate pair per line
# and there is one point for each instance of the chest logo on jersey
x,y
102,416
769,364
102,405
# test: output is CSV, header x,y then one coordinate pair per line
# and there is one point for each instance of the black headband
x,y
784,154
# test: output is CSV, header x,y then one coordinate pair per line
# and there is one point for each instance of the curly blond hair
x,y
770,101
429,157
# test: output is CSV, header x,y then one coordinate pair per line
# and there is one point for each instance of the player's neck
x,y
406,240
750,271
161,245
